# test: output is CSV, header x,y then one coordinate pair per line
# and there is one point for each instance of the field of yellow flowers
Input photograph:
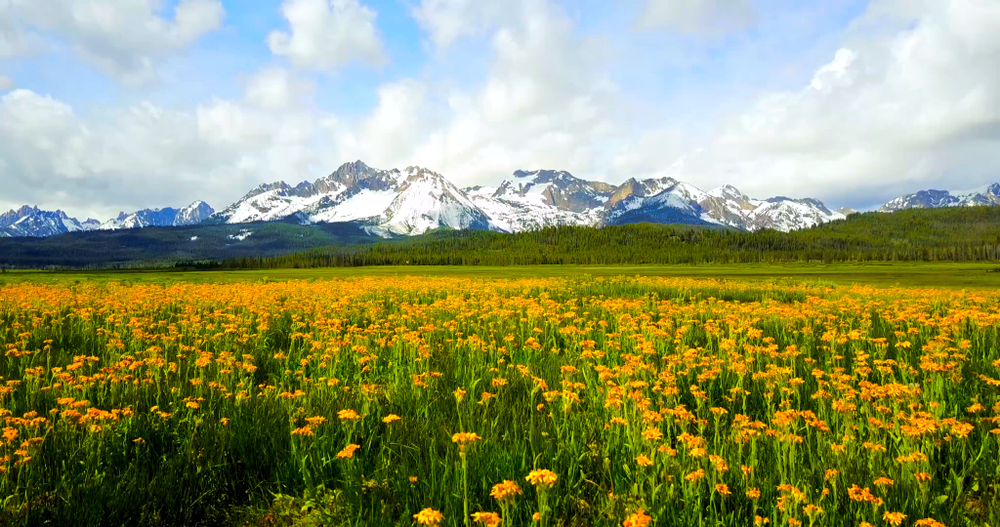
x,y
519,402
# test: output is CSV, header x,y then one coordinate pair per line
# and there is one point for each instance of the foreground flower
x,y
505,490
348,415
643,461
348,451
391,418
541,478
652,434
638,519
695,476
489,519
429,517
895,518
303,431
465,437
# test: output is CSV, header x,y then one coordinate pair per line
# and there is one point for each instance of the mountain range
x,y
32,221
415,200
942,198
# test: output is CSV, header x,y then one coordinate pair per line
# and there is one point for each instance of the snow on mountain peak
x,y
426,201
32,221
416,199
196,212
932,198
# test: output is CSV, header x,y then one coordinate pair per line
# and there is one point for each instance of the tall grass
x,y
680,401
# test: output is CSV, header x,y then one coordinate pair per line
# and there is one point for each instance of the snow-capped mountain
x,y
663,200
942,198
667,200
542,198
32,221
786,214
387,202
196,212
427,201
416,200
354,191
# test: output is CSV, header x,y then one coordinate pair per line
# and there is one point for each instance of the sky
x,y
119,105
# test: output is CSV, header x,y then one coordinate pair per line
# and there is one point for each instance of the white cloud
x,y
328,34
277,89
123,38
145,155
6,83
698,16
893,110
448,20
390,135
547,102
12,37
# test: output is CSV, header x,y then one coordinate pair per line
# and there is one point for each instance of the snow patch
x,y
244,234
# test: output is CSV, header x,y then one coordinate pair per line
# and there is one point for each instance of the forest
x,y
969,234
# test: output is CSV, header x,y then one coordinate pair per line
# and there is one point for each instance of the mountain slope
x,y
412,201
166,245
786,214
168,217
928,199
352,192
32,221
541,198
427,201
388,202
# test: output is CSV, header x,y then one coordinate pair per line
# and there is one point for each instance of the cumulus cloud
x,y
123,38
889,111
698,16
145,155
547,100
448,20
12,39
277,88
388,137
328,34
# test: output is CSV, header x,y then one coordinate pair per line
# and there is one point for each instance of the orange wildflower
x,y
541,478
429,517
638,518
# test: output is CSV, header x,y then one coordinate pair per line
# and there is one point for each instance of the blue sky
x,y
119,105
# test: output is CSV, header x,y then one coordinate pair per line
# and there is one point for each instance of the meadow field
x,y
556,396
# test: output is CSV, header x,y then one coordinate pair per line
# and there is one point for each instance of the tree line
x,y
952,234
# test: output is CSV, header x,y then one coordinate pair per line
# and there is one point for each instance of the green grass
x,y
949,275
220,404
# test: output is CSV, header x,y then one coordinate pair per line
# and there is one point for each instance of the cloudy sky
x,y
109,105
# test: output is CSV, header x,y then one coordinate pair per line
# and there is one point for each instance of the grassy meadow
x,y
542,396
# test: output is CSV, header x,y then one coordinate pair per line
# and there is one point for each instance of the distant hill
x,y
165,245
949,234
935,234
